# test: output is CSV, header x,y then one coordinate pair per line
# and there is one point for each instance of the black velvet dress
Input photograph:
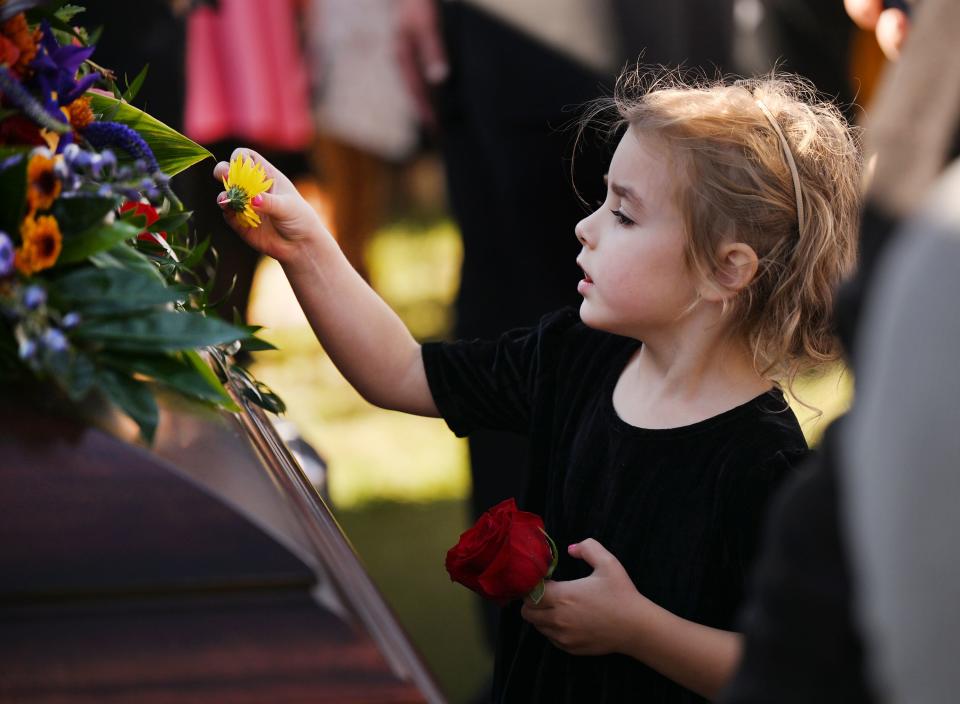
x,y
681,508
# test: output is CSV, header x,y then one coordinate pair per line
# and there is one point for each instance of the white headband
x,y
790,162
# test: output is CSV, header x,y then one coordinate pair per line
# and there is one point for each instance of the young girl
x,y
656,424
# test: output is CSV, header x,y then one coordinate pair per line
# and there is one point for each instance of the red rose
x,y
505,556
147,211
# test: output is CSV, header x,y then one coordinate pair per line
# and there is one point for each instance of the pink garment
x,y
246,76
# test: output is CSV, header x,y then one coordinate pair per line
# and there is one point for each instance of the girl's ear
x,y
737,266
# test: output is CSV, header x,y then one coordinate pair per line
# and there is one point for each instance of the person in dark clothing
x,y
648,494
655,422
854,597
505,86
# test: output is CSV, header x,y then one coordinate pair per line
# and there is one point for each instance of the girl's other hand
x,y
587,616
287,221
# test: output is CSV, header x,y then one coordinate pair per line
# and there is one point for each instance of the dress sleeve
x,y
494,384
750,495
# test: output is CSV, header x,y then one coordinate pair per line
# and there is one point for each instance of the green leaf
x,y
63,32
124,257
78,376
134,87
184,372
110,291
171,222
159,331
133,397
537,594
81,213
68,12
13,195
554,554
94,37
207,372
103,237
257,344
173,151
195,254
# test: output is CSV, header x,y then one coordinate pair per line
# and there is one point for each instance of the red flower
x,y
18,129
149,212
504,556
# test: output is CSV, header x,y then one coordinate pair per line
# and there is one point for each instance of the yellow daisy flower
x,y
41,245
245,180
43,186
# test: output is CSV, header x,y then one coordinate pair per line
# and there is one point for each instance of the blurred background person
x,y
246,83
855,594
366,121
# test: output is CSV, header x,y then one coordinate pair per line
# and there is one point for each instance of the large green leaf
x,y
184,372
98,239
134,398
13,192
159,331
110,291
171,222
76,215
174,152
125,257
76,373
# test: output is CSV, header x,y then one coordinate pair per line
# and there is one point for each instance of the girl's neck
x,y
682,379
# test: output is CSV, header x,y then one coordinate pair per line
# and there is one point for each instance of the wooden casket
x,y
205,568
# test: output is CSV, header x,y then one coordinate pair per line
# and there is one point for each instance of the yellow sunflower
x,y
43,186
245,180
41,244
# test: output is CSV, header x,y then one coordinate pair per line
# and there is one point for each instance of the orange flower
x,y
41,244
20,43
43,186
79,113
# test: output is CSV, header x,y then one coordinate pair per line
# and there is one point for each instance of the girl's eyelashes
x,y
621,218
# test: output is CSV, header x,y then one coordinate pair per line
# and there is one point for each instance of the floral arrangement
x,y
506,555
103,288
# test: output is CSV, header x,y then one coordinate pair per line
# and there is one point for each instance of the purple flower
x,y
34,297
18,96
70,320
28,348
54,340
55,68
6,254
114,134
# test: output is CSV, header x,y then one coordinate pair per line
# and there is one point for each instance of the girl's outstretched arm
x,y
365,339
604,613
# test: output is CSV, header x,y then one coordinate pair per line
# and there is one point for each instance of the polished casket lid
x,y
205,568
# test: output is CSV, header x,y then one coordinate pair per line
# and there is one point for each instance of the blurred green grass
x,y
398,483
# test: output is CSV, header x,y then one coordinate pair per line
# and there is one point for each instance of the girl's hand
x,y
588,616
287,222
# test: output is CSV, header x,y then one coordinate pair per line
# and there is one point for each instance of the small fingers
x,y
892,28
220,170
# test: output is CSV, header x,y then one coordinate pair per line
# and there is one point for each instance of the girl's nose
x,y
581,232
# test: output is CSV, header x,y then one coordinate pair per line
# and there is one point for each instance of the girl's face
x,y
636,280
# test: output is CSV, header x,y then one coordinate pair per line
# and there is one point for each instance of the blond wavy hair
x,y
735,184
